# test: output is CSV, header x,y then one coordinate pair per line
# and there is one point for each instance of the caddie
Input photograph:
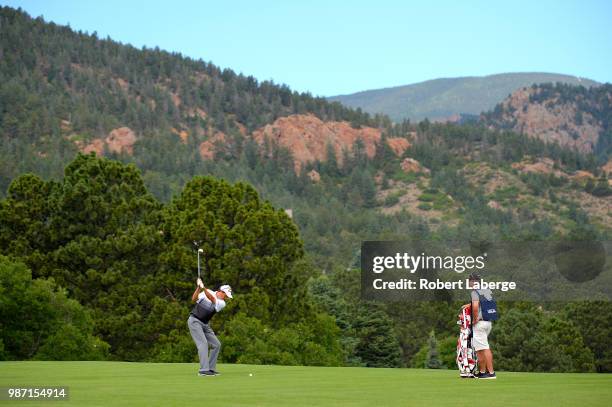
x,y
484,311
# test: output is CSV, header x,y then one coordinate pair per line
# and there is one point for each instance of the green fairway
x,y
151,384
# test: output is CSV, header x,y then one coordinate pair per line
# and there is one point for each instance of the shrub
x,y
425,206
529,340
315,343
70,343
38,320
427,197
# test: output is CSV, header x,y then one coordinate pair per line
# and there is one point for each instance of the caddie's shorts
x,y
480,339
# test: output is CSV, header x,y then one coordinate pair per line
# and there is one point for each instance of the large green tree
x,y
246,243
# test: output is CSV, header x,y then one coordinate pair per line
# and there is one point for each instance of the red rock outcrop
x,y
308,137
551,120
183,134
123,84
582,176
547,166
494,205
121,140
241,128
607,167
540,166
412,165
65,125
207,148
398,145
314,176
97,146
197,112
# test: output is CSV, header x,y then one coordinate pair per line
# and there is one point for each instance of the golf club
x,y
199,251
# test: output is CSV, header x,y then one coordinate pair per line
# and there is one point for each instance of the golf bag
x,y
466,356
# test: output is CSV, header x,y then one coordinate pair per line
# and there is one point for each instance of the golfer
x,y
208,303
481,327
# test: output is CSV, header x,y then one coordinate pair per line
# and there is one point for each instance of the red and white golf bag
x,y
466,356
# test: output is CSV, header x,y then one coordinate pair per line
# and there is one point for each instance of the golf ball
x,y
250,374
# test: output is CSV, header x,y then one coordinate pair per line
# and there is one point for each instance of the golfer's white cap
x,y
227,290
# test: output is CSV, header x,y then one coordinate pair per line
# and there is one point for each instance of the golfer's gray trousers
x,y
203,336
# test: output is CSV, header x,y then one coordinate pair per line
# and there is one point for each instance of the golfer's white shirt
x,y
219,304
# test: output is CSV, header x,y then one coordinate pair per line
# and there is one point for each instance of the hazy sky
x,y
336,47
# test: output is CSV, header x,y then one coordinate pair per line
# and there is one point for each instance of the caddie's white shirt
x,y
219,304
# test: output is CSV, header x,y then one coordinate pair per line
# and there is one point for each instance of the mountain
x,y
573,116
343,172
447,98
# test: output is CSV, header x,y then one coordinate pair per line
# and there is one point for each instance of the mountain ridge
x,y
438,99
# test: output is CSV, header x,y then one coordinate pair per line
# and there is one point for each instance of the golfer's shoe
x,y
480,375
205,373
215,372
487,376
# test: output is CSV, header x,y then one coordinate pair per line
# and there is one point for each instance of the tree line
x,y
94,267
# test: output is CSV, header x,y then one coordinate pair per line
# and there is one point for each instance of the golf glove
x,y
200,283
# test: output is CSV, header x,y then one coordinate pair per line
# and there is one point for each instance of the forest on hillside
x,y
58,86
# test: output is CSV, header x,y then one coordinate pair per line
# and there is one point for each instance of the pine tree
x,y
377,344
331,163
433,361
